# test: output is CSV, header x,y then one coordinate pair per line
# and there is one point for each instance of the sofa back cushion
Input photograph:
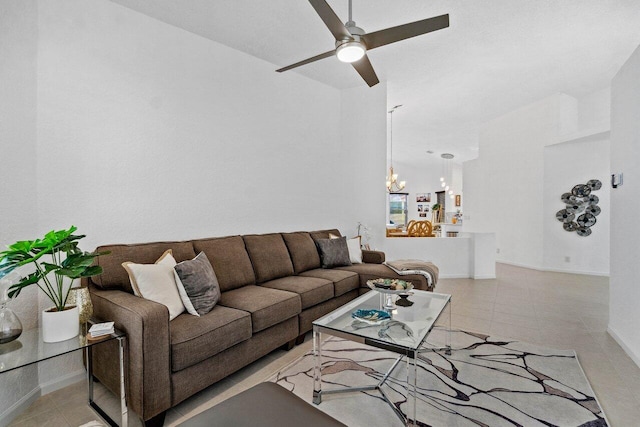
x,y
269,256
229,259
303,251
114,276
324,234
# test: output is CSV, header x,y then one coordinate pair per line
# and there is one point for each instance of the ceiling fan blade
x,y
308,60
401,32
331,20
365,69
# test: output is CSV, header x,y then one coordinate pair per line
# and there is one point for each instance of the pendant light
x,y
393,185
446,173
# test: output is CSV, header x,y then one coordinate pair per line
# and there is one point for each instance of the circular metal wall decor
x,y
575,208
594,210
570,226
594,184
593,199
565,216
586,220
581,190
580,202
583,231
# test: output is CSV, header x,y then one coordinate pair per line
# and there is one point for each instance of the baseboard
x,y
625,347
519,264
554,270
63,381
19,407
484,277
586,273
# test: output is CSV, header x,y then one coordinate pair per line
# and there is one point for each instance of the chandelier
x,y
392,179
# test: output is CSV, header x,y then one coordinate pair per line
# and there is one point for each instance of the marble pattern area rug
x,y
487,381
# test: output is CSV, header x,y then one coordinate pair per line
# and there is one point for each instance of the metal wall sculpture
x,y
582,208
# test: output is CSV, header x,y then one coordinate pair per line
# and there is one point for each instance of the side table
x,y
29,348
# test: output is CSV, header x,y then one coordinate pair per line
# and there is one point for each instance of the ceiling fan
x,y
352,42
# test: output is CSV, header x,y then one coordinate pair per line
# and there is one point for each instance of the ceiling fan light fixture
x,y
350,51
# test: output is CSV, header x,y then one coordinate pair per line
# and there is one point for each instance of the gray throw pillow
x,y
200,283
333,252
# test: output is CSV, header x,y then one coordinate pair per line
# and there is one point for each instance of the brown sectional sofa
x,y
272,289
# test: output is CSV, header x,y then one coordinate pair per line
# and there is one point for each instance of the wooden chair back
x,y
420,229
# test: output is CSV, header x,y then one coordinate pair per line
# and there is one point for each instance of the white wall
x,y
18,46
143,132
363,140
624,289
565,165
504,188
174,136
513,188
595,110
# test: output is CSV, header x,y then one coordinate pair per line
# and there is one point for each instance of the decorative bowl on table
x,y
390,286
372,317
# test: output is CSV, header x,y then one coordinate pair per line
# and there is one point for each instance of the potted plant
x,y
54,258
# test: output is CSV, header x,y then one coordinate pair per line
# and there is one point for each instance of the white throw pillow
x,y
355,252
156,282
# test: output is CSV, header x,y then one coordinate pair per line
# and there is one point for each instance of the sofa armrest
x,y
372,257
147,353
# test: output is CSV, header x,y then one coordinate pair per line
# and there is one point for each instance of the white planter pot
x,y
60,325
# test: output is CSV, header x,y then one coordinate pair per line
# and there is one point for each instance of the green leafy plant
x,y
435,207
64,259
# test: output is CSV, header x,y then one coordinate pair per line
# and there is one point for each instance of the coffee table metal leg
x,y
317,368
448,351
412,375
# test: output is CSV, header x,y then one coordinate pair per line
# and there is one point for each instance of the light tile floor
x,y
558,310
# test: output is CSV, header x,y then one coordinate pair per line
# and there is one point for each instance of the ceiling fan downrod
x,y
351,49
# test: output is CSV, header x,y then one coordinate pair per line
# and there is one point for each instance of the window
x,y
398,210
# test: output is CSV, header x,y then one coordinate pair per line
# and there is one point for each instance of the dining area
x,y
423,229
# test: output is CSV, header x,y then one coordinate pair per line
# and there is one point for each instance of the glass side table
x,y
29,349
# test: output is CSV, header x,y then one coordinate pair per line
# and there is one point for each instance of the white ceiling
x,y
497,55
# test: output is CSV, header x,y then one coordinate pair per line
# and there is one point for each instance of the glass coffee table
x,y
404,332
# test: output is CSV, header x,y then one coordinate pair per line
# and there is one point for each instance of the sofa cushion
x,y
343,281
229,259
333,252
194,339
303,251
115,277
312,290
324,234
267,306
269,256
197,284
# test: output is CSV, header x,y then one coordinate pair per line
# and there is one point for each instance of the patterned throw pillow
x,y
199,285
333,252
